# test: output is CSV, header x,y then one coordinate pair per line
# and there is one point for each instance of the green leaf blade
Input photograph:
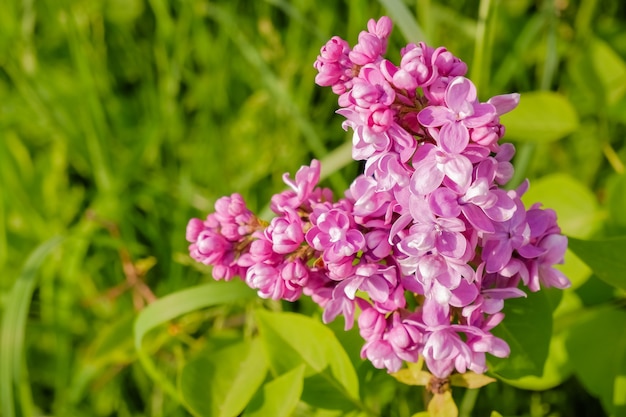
x,y
541,116
597,346
605,258
576,206
405,20
279,397
291,340
12,331
222,383
177,304
188,300
527,329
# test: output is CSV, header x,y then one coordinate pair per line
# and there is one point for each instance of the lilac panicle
x,y
427,221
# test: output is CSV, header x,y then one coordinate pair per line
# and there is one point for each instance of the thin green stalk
x,y
357,17
425,18
482,50
551,57
92,118
404,20
525,41
526,150
609,153
13,329
523,157
4,247
585,14
468,402
337,159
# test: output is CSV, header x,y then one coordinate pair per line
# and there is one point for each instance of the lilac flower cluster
x,y
425,244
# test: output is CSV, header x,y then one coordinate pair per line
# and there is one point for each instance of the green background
x,y
121,119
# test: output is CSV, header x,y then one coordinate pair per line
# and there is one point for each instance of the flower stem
x,y
484,40
467,403
613,158
523,157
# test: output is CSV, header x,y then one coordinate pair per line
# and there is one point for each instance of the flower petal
x,y
454,137
459,169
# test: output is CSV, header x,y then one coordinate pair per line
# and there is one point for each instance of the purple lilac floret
x,y
427,221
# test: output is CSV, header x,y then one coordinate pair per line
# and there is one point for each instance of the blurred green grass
x,y
121,119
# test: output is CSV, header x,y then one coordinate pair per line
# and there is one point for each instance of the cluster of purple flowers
x,y
425,244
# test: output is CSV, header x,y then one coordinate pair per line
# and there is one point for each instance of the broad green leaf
x,y
173,305
605,257
278,398
578,215
610,68
321,391
597,347
291,340
220,384
575,205
616,200
556,368
541,116
377,386
576,270
570,304
351,340
527,329
13,327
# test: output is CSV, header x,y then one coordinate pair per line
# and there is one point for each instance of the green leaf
x,y
616,200
605,258
610,68
220,384
597,346
321,391
556,369
279,397
578,214
575,205
405,20
541,116
527,329
173,305
576,270
291,340
13,327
